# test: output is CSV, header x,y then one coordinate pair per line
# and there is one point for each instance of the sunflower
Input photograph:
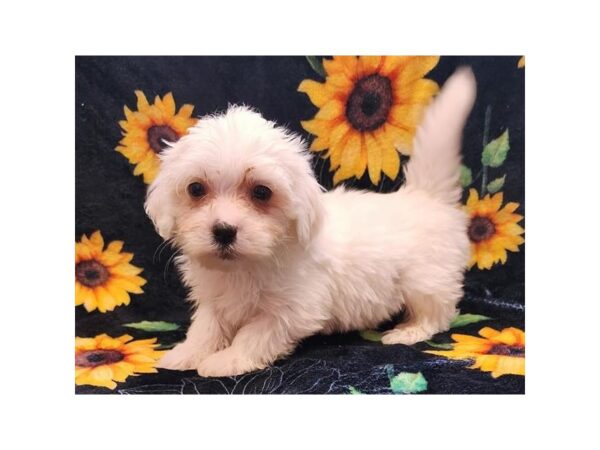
x,y
102,360
492,230
103,278
146,129
370,107
499,352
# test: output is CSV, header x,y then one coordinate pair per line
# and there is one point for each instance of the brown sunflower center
x,y
91,273
481,229
507,350
93,358
369,103
157,133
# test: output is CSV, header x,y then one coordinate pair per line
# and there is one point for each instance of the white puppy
x,y
271,259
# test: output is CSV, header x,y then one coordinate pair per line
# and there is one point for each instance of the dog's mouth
x,y
226,253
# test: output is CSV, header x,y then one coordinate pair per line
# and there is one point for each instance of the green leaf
x,y
408,383
495,151
495,185
153,326
317,65
466,176
441,346
465,319
371,335
354,391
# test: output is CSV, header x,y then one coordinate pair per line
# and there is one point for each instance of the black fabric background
x,y
109,198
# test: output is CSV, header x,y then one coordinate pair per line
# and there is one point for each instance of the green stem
x,y
486,134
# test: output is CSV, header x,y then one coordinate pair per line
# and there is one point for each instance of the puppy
x,y
270,259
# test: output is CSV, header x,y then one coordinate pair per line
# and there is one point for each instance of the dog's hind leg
x,y
426,315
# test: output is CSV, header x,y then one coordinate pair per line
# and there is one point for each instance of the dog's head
x,y
235,188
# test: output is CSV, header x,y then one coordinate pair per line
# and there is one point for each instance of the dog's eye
x,y
261,193
196,190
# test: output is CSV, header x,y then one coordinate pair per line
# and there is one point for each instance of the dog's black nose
x,y
224,234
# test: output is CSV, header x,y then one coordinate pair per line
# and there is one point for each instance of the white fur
x,y
315,262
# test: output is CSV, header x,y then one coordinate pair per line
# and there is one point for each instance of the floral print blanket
x,y
359,115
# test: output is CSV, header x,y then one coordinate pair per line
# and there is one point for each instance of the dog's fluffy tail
x,y
435,162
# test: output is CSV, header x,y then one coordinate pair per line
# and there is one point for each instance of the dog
x,y
270,259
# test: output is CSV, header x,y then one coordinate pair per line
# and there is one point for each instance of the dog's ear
x,y
309,208
158,207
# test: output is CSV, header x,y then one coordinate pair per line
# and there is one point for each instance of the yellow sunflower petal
x,y
368,65
181,125
361,166
339,132
106,342
333,66
319,144
137,358
485,363
145,164
390,162
138,345
406,116
83,344
142,101
341,83
416,68
122,370
488,333
473,348
350,159
509,365
466,338
81,372
90,303
473,258
317,92
115,246
169,104
83,294
374,155
350,65
510,229
128,285
125,270
391,64
496,201
400,139
509,336
101,376
186,111
105,301
510,207
473,200
121,296
332,110
419,91
150,173
125,338
337,150
317,127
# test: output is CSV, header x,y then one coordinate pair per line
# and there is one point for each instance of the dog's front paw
x,y
182,357
226,363
405,334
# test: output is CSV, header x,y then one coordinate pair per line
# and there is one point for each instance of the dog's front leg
x,y
204,337
255,346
